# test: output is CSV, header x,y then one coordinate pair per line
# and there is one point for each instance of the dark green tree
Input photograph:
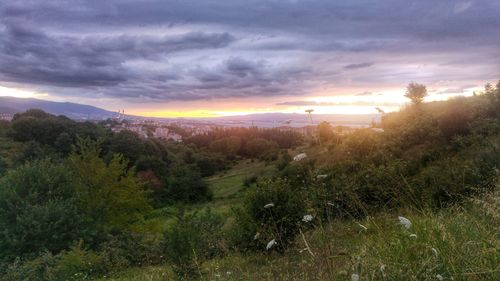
x,y
38,210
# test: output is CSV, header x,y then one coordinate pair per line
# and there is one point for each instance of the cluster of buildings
x,y
6,116
147,130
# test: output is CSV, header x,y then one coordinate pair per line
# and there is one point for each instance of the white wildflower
x,y
300,156
321,176
271,244
354,277
405,222
434,252
413,235
307,218
256,236
267,206
439,277
229,273
363,227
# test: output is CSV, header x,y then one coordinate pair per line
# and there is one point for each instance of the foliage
x,y
325,132
261,148
38,210
274,210
110,195
192,239
186,185
416,92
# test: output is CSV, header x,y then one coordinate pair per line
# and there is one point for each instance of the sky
x,y
185,58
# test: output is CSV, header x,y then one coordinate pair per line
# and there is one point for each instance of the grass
x,y
229,183
458,243
227,188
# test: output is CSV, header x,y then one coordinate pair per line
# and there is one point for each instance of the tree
x,y
110,195
186,184
259,148
38,210
416,92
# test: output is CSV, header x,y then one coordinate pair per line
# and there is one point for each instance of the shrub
x,y
274,210
40,268
38,210
186,185
130,249
192,239
456,118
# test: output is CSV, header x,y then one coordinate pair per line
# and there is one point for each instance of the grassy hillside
x,y
459,243
416,198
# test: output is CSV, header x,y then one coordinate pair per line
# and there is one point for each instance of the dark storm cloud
x,y
188,50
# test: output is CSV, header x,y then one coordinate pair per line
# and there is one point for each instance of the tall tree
x,y
416,92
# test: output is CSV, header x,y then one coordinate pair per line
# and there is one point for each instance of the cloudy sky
x,y
207,57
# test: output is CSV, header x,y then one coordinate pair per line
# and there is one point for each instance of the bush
x,y
130,249
274,210
76,264
38,210
192,239
40,268
186,185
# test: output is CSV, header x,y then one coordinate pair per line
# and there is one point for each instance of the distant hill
x,y
13,105
297,120
72,110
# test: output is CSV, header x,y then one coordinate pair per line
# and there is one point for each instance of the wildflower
x,y
321,176
307,218
299,157
229,273
267,206
271,244
256,236
354,277
439,277
405,222
363,227
434,252
413,235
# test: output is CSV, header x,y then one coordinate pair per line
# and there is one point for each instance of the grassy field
x,y
227,188
458,243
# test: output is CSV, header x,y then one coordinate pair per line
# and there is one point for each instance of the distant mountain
x,y
71,110
296,119
80,111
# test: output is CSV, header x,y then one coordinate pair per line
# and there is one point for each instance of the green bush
x,y
41,268
38,210
192,239
273,210
131,249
